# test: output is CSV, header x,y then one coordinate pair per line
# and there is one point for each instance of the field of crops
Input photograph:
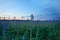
x,y
29,30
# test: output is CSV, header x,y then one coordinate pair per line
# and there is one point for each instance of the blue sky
x,y
43,9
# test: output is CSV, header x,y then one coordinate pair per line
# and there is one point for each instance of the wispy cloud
x,y
45,9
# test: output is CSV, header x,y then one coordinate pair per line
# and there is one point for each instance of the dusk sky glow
x,y
43,9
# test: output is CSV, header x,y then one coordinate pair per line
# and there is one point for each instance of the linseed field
x,y
29,30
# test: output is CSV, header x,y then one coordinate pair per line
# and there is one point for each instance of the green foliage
x,y
37,31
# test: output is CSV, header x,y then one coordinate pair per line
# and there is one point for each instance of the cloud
x,y
45,9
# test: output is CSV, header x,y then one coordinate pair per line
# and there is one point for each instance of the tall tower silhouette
x,y
32,17
14,18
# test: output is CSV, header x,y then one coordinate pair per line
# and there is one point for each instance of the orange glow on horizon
x,y
12,18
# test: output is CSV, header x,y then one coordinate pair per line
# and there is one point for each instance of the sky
x,y
41,9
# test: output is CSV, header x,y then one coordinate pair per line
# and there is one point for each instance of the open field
x,y
31,30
